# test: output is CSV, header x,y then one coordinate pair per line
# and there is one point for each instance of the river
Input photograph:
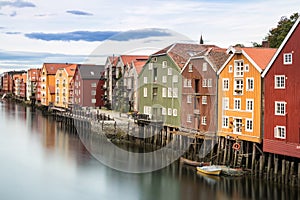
x,y
41,160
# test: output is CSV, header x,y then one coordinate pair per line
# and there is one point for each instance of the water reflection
x,y
41,160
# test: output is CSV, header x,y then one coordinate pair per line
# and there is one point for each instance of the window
x,y
147,110
145,92
204,99
279,81
170,71
225,103
150,66
249,104
185,82
164,92
209,82
93,100
169,92
169,111
164,79
203,120
174,112
204,67
145,79
287,58
93,84
238,86
164,111
189,98
190,67
164,64
154,75
279,132
204,83
237,104
189,83
175,79
237,125
225,84
249,125
280,108
93,92
154,91
230,68
238,68
246,68
175,92
250,84
189,118
225,122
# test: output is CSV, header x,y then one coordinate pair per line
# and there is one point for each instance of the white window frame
x,y
175,112
287,58
145,92
169,111
204,100
280,111
203,120
237,106
249,105
150,66
145,79
237,129
249,125
169,92
164,64
164,111
189,118
224,80
225,122
93,92
164,79
209,82
238,86
204,82
185,83
279,82
226,103
92,85
93,100
189,82
189,98
175,92
164,92
248,88
175,79
204,67
230,68
170,71
190,67
278,132
238,68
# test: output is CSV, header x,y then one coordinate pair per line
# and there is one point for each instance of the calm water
x,y
40,160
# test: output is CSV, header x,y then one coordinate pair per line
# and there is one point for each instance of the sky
x,y
37,31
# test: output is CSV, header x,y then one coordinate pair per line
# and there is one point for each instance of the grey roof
x,y
90,72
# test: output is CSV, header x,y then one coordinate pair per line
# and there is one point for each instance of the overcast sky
x,y
37,31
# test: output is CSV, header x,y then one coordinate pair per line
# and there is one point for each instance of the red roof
x,y
261,56
127,59
139,64
53,67
71,69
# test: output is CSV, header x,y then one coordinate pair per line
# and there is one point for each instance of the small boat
x,y
210,170
192,162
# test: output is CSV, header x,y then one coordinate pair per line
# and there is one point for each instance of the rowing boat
x,y
210,170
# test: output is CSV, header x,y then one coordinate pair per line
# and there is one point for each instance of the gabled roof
x,y
259,57
51,68
139,64
127,59
71,69
286,39
113,60
181,52
215,56
90,72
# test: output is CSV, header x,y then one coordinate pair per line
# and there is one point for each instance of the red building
x,y
282,101
88,86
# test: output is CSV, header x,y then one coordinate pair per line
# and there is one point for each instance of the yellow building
x,y
47,85
240,93
63,89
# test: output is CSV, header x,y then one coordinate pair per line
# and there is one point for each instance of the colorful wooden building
x,y
282,101
239,94
32,82
199,91
110,80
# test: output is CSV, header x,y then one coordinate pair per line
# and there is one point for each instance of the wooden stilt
x,y
253,157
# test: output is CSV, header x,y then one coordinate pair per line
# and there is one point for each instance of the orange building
x,y
239,93
63,86
47,84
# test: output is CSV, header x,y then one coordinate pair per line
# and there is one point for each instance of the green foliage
x,y
277,35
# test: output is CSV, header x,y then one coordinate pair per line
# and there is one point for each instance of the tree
x,y
277,35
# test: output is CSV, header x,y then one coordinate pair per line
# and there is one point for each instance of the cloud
x,y
13,33
17,4
78,12
94,36
13,14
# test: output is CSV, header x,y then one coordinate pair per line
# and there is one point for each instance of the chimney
x,y
201,40
265,44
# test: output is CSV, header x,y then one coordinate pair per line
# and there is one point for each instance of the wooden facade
x,y
282,101
239,93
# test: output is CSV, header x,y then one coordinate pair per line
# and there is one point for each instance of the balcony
x,y
196,111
